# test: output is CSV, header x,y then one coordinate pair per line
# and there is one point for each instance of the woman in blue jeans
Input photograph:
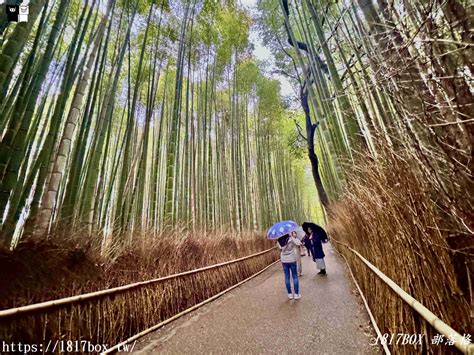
x,y
288,249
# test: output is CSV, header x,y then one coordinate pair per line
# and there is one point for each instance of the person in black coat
x,y
317,236
307,243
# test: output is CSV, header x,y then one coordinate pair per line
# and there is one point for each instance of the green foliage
x,y
143,6
233,26
171,31
268,91
206,23
296,142
248,73
270,20
75,9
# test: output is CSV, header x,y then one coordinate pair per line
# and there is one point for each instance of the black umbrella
x,y
307,225
316,229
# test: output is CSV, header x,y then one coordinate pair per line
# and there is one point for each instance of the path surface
x,y
258,318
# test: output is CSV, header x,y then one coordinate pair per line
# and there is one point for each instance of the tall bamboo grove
x,y
119,117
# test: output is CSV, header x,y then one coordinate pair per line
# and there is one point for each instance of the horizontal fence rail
x,y
366,305
86,296
186,311
430,317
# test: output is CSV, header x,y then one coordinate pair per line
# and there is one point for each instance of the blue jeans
x,y
294,273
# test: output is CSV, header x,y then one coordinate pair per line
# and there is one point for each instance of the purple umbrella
x,y
281,228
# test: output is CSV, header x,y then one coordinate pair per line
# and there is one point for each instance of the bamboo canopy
x,y
137,125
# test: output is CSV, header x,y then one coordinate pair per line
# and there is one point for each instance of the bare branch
x,y
298,127
282,72
291,57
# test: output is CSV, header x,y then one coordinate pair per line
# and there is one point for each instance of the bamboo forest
x,y
150,148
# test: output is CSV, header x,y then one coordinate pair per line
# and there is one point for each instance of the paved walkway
x,y
258,318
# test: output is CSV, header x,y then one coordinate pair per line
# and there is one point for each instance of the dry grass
x,y
37,272
396,218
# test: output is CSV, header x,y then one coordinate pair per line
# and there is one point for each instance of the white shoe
x,y
290,296
297,296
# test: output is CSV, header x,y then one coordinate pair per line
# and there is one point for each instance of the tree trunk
x,y
313,158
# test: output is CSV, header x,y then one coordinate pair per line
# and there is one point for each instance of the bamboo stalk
x,y
73,299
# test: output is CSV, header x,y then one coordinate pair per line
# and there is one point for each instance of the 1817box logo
x,y
15,12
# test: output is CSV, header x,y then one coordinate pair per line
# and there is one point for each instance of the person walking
x,y
317,236
287,245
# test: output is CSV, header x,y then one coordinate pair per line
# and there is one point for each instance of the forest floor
x,y
259,318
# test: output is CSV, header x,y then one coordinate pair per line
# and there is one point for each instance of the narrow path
x,y
258,318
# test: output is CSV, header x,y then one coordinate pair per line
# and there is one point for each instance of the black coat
x,y
318,236
307,242
316,246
